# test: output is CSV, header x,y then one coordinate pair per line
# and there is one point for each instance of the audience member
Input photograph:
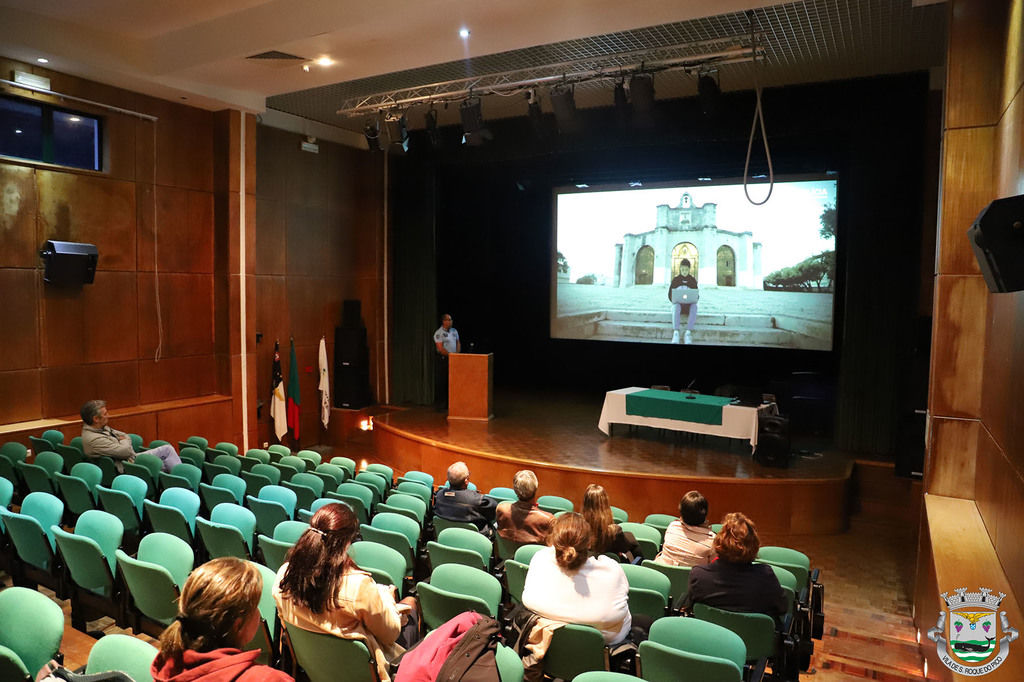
x,y
566,584
523,521
606,535
458,503
687,541
100,439
734,582
320,589
218,614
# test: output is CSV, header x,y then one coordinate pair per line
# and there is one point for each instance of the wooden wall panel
x,y
250,234
173,378
211,421
1002,411
83,208
967,176
1013,63
66,388
20,319
18,245
20,396
270,237
1010,145
999,492
952,450
186,304
973,83
184,147
94,323
184,225
958,350
308,241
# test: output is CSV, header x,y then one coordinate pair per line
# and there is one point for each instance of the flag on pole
x,y
277,407
325,385
293,393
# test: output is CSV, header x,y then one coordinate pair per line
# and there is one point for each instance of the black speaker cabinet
x,y
351,313
352,387
997,237
350,346
69,263
773,446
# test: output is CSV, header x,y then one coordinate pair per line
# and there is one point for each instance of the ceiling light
x,y
42,60
325,61
621,104
372,134
432,132
17,131
536,116
398,133
75,119
305,67
463,33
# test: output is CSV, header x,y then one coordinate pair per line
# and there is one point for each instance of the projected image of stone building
x,y
718,258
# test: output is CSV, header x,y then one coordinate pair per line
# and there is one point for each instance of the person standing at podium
x,y
446,341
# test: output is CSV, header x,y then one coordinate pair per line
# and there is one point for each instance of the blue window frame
x,y
42,132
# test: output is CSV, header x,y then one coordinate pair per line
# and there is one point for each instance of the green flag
x,y
293,394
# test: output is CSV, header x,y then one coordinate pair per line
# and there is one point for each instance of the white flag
x,y
325,385
278,410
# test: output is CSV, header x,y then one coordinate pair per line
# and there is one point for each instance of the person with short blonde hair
x,y
523,521
218,614
566,584
734,582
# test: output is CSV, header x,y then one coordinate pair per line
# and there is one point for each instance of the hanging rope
x,y
758,116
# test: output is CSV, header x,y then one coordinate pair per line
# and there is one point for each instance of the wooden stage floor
x,y
557,435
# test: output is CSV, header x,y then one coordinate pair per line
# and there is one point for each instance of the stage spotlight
x,y
473,131
536,116
708,93
432,132
372,133
641,92
564,105
621,105
398,133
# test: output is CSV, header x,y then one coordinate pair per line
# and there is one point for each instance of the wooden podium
x,y
470,386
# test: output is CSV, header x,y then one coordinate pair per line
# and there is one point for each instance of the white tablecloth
x,y
738,421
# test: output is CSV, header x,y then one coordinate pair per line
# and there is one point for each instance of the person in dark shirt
x,y
683,279
734,582
458,503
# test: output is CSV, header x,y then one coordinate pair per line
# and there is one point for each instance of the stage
x,y
644,470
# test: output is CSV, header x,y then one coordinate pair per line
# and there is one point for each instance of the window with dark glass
x,y
41,132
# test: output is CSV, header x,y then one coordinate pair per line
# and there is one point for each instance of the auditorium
x,y
358,287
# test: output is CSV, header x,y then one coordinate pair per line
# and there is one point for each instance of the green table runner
x,y
687,407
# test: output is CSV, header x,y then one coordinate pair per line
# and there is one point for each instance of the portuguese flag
x,y
293,394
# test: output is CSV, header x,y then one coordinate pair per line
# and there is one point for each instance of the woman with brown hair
x,y
319,588
606,535
217,615
566,584
734,582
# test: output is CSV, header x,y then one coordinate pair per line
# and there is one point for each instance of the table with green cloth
x,y
707,414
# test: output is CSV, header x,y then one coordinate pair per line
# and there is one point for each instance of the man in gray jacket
x,y
98,438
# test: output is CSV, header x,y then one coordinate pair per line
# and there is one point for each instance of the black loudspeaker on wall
x,y
773,446
997,237
351,368
69,263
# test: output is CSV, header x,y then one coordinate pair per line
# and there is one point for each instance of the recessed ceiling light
x,y
74,119
305,67
463,33
17,131
324,61
42,60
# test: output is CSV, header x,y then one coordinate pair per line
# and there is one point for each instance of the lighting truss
x,y
688,56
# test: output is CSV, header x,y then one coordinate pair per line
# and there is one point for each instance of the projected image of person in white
x,y
766,273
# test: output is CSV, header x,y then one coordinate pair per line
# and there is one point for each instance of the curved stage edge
x,y
802,500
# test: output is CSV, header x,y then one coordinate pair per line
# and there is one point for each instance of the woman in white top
x,y
687,541
564,583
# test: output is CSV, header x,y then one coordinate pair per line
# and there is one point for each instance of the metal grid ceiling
x,y
807,41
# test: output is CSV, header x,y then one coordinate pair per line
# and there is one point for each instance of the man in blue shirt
x,y
446,341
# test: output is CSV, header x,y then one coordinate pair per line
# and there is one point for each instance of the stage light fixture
x,y
641,92
473,131
621,104
372,134
708,94
564,105
398,133
536,116
432,132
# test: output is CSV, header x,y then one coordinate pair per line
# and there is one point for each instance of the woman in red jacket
x,y
218,614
